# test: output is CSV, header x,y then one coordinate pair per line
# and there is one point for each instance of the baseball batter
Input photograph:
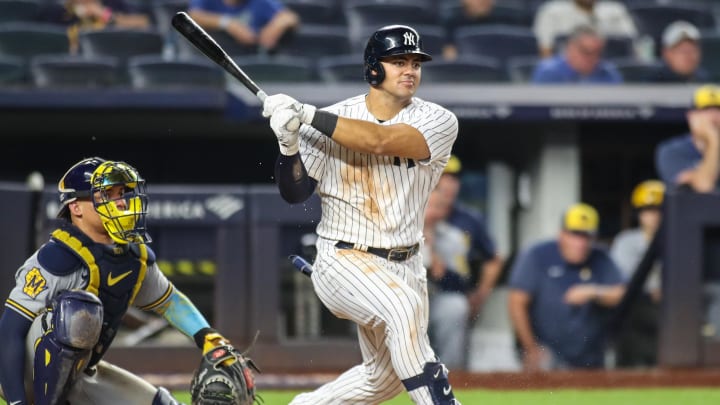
x,y
374,160
71,294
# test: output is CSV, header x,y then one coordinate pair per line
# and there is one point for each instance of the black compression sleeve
x,y
13,329
292,179
325,122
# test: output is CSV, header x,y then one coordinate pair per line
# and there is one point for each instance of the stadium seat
x,y
341,69
521,68
364,15
155,72
325,12
710,46
73,71
186,50
314,41
506,12
466,69
121,43
497,41
27,39
12,71
653,19
634,71
279,68
616,47
19,10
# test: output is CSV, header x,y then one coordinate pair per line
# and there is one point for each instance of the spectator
x,y
637,343
459,245
681,56
250,22
558,18
580,62
560,291
95,14
693,160
471,12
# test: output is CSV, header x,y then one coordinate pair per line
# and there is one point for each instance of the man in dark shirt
x,y
681,56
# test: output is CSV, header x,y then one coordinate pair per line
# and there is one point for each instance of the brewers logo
x,y
35,283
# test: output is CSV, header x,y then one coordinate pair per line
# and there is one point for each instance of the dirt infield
x,y
502,381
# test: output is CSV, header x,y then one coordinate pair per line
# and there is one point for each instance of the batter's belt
x,y
398,254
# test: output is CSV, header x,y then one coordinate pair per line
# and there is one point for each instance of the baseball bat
x,y
186,26
301,264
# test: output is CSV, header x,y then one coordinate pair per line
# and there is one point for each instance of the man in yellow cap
x,y
693,160
637,343
560,293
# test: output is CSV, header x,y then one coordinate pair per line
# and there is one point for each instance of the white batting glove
x,y
273,103
284,123
276,102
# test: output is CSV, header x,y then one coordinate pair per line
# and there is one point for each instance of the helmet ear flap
x,y
374,72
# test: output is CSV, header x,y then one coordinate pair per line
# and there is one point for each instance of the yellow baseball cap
x,y
453,166
581,218
647,194
707,96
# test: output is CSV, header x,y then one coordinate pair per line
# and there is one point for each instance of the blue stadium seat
x,y
653,19
521,68
506,12
371,15
12,71
326,12
155,72
466,69
341,69
19,10
496,41
186,50
121,43
73,71
634,71
316,40
27,39
279,68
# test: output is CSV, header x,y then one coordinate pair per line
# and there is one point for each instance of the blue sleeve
x,y
672,157
614,75
13,330
182,314
611,272
292,179
524,273
482,239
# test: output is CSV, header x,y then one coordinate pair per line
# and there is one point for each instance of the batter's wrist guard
x,y
325,122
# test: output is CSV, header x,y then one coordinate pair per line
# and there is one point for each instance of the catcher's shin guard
x,y
70,330
163,397
435,378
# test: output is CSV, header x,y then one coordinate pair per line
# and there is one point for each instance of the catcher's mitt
x,y
224,377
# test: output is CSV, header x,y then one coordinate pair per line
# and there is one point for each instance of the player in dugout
x,y
71,294
373,159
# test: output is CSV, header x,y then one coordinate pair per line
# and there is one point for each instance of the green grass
x,y
546,397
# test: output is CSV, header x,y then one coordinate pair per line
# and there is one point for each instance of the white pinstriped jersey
x,y
376,200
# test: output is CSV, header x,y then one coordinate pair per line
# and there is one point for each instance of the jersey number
x,y
396,162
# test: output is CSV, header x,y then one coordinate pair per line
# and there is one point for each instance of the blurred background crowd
x,y
132,43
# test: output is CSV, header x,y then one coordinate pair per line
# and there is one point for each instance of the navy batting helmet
x,y
75,183
388,41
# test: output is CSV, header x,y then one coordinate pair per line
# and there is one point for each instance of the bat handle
x,y
301,264
261,95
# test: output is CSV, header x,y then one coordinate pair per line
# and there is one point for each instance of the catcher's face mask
x,y
121,201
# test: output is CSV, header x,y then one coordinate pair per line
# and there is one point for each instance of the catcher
x,y
71,294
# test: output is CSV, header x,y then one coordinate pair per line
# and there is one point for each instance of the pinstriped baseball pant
x,y
388,301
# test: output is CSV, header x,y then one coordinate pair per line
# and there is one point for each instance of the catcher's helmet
x,y
122,216
648,194
388,41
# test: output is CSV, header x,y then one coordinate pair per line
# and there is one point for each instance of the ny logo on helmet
x,y
409,38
